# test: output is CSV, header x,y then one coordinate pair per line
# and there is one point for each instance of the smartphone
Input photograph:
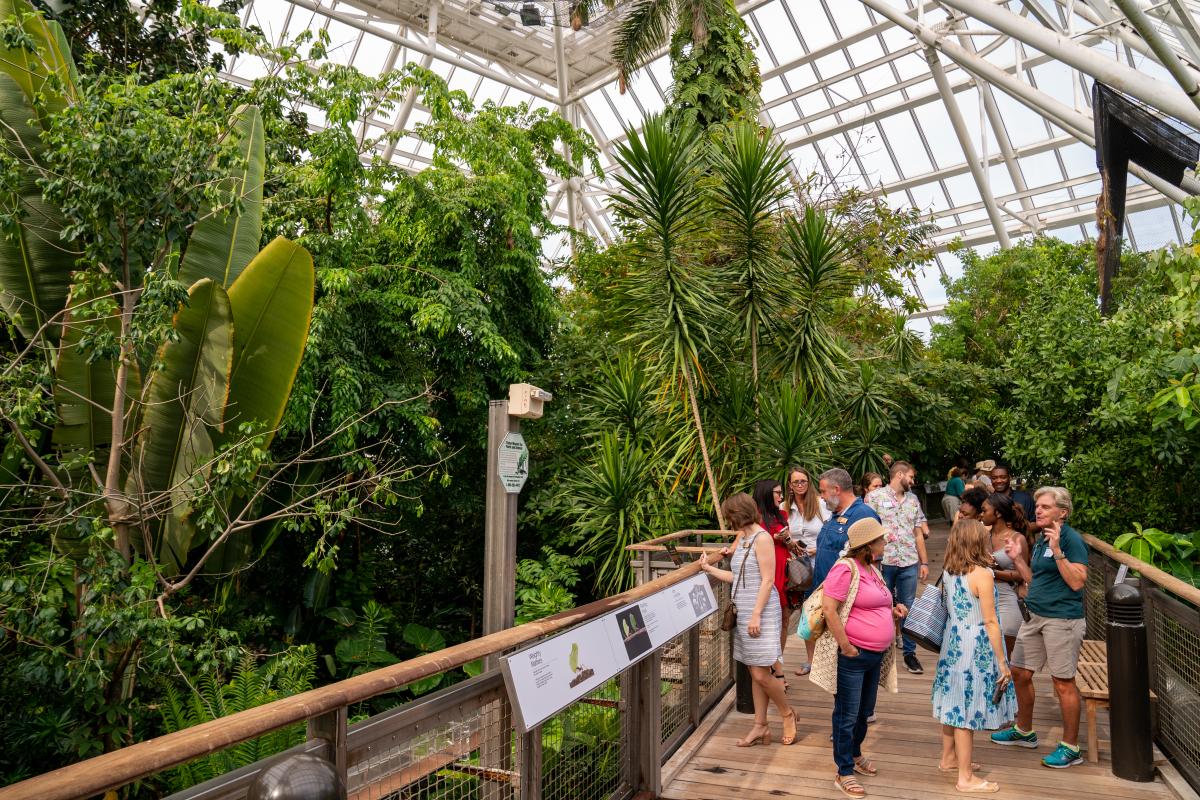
x,y
998,694
673,552
1024,609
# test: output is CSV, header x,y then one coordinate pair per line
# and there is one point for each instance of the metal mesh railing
x,y
675,678
583,747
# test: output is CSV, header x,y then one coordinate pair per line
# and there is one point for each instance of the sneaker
x,y
1012,736
871,720
1063,756
914,666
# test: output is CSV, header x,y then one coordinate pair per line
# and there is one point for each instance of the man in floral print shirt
x,y
904,559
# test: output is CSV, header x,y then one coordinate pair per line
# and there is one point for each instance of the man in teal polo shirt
x,y
1054,633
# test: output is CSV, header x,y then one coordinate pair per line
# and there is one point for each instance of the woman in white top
x,y
806,515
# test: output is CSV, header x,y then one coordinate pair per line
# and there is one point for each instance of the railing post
x,y
331,727
645,728
495,748
531,764
693,675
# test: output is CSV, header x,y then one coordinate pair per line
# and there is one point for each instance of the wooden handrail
x,y
1163,580
115,769
649,544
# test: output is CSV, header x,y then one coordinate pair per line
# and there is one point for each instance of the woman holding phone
x,y
972,689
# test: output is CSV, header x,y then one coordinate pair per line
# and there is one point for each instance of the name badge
x,y
842,520
1049,553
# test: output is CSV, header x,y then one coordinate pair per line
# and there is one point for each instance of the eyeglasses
x,y
799,483
777,491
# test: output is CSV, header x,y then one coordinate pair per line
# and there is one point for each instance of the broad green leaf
x,y
1122,541
425,685
225,240
424,639
49,70
1140,550
84,392
185,408
342,616
272,303
473,668
35,265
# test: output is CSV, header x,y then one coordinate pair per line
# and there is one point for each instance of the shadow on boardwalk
x,y
905,745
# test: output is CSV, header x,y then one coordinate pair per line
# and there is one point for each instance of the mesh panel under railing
x,y
1176,672
675,678
715,659
583,754
464,753
1099,566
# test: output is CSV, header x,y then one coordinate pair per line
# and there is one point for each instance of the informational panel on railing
x,y
547,677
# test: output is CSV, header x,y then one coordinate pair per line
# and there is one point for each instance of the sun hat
x,y
864,531
986,466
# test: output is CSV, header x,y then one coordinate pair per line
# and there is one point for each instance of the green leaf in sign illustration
x,y
573,659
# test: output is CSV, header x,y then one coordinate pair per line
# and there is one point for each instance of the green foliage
x,y
251,685
544,587
1172,552
715,81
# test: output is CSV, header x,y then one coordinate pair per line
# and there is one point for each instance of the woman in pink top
x,y
864,639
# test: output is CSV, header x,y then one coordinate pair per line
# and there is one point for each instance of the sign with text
x,y
547,677
513,462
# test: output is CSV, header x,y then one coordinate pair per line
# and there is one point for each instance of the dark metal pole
x,y
1129,685
745,691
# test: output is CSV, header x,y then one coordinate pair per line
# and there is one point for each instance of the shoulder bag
x,y
799,573
926,620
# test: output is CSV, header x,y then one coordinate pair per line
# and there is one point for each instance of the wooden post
x,y
331,727
500,531
531,764
645,726
693,675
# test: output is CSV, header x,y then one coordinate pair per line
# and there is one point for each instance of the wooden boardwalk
x,y
905,745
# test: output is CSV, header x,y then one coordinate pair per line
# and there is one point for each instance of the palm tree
x,y
750,187
648,26
670,305
815,255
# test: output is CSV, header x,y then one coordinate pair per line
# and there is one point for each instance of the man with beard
x,y
904,557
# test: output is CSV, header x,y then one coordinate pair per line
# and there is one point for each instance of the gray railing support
x,y
332,728
693,676
531,764
645,726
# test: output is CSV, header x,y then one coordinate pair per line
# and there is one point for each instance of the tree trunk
x,y
712,481
114,498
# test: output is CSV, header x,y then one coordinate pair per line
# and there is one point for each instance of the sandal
x,y
781,677
863,766
984,787
849,786
804,670
751,741
974,768
789,738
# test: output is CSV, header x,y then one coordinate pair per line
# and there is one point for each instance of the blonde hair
x,y
1062,498
970,545
810,507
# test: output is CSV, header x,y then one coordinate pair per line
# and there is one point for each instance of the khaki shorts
x,y
1047,641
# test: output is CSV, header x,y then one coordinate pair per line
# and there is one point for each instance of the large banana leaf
x,y
272,303
49,70
84,392
225,241
185,405
35,264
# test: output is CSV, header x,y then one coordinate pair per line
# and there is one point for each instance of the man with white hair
x,y
1054,633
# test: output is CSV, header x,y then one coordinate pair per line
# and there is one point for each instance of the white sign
x,y
547,677
513,462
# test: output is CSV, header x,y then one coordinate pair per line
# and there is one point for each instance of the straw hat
x,y
864,531
986,466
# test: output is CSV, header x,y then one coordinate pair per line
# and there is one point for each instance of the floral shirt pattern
x,y
900,518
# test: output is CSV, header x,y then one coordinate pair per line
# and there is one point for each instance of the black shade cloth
x,y
1127,131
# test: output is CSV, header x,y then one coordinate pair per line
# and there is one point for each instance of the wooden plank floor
x,y
905,744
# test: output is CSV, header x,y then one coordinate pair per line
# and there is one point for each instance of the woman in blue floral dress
x,y
972,662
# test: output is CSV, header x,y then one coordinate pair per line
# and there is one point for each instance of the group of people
x,y
1012,584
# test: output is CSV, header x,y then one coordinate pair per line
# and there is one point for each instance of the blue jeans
x,y
902,583
857,685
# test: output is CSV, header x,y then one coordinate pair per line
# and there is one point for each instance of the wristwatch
x,y
1060,556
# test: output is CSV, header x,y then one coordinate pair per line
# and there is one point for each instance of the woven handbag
x,y
926,620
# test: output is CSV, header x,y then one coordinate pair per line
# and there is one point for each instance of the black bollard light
x,y
1129,685
745,689
297,777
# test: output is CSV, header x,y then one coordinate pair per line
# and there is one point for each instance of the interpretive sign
x,y
550,675
513,462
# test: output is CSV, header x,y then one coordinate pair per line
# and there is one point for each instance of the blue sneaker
x,y
1012,736
1063,757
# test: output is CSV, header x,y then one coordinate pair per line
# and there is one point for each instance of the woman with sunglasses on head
x,y
806,516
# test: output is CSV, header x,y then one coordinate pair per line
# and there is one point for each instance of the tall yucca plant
x,y
671,307
750,188
793,429
815,256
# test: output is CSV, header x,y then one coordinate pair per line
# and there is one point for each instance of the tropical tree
x,y
668,294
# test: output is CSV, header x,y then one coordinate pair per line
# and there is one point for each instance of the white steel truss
x,y
976,112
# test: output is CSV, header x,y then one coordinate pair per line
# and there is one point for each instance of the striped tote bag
x,y
926,620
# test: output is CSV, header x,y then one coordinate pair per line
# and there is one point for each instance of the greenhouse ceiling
x,y
976,112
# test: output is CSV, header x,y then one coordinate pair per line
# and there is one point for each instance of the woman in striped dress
x,y
756,640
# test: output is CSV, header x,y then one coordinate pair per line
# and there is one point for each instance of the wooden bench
x,y
1092,679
